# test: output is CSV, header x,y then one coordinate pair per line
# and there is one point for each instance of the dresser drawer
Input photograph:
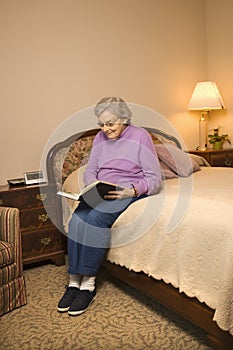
x,y
41,242
33,197
222,160
36,219
217,158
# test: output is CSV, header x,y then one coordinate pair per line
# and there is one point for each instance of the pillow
x,y
158,139
166,172
177,160
199,160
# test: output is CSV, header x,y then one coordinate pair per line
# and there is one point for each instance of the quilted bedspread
x,y
183,236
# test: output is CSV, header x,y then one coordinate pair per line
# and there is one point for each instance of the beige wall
x,y
220,58
60,56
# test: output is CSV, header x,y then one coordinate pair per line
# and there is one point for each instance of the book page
x,y
94,192
69,195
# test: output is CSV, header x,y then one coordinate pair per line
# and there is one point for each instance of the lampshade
x,y
206,96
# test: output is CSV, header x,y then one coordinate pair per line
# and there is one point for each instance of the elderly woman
x,y
122,154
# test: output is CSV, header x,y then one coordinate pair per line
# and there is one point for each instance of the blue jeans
x,y
89,234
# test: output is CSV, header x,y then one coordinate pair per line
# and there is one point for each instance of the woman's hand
x,y
125,193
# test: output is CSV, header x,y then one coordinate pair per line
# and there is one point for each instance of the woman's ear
x,y
125,121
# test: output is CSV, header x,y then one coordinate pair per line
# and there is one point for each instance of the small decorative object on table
x,y
218,140
34,177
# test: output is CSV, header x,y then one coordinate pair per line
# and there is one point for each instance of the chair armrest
x,y
9,225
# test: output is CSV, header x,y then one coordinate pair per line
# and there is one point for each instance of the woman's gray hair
x,y
114,105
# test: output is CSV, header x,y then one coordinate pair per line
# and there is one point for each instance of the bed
x,y
183,236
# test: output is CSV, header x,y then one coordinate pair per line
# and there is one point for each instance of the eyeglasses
x,y
110,123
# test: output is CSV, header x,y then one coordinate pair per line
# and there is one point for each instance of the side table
x,y
217,158
41,240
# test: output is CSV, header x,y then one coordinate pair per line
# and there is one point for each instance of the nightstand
x,y
41,240
217,158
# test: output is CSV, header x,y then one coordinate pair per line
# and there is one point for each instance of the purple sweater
x,y
128,160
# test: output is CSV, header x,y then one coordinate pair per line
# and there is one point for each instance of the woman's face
x,y
111,125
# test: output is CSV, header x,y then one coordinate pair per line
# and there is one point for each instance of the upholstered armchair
x,y
12,284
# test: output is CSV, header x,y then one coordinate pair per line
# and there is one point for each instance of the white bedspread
x,y
197,255
183,236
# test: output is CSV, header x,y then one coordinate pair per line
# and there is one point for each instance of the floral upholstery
x,y
77,155
12,284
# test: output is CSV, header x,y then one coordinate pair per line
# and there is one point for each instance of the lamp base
x,y
202,133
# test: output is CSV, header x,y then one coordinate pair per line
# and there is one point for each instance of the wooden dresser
x,y
41,240
218,158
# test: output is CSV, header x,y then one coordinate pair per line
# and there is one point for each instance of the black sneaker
x,y
82,302
67,299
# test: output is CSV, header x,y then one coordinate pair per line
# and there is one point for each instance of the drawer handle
x,y
228,162
46,240
43,217
41,196
1,202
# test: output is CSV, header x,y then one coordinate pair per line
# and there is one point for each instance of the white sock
x,y
75,281
88,283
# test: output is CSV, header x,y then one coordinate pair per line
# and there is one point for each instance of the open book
x,y
93,192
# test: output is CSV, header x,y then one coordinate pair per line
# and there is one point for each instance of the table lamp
x,y
206,97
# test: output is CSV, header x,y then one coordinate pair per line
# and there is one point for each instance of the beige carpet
x,y
120,318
